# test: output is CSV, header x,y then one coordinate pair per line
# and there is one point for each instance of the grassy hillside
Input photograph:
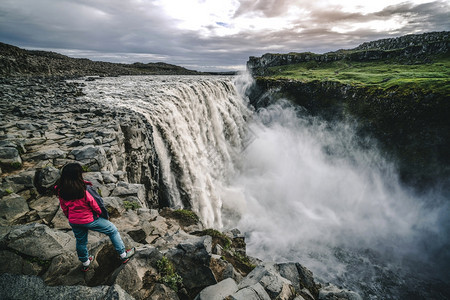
x,y
433,76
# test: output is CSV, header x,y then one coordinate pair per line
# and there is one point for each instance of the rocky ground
x,y
42,127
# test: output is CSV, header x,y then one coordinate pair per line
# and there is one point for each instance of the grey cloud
x,y
124,31
268,8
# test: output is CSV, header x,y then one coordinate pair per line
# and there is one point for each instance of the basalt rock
x,y
37,247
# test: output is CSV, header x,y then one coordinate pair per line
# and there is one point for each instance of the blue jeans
x,y
101,225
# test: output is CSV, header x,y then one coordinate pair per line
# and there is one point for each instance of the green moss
x,y
187,216
434,77
240,262
131,205
9,191
218,237
16,165
86,168
168,275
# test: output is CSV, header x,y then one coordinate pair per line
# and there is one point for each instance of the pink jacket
x,y
80,211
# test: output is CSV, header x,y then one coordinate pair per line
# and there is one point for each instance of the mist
x,y
315,192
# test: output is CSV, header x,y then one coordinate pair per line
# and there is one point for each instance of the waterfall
x,y
301,188
198,131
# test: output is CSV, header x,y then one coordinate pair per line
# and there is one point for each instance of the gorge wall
x,y
411,124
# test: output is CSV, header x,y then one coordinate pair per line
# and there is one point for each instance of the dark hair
x,y
71,185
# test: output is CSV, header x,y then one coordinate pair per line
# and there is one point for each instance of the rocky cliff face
x,y
19,62
44,126
411,48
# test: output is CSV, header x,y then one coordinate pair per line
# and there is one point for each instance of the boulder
x,y
138,276
108,177
163,292
12,207
254,292
191,259
95,178
60,221
10,158
268,276
20,182
39,241
114,205
15,264
125,190
46,178
95,156
218,291
45,206
300,277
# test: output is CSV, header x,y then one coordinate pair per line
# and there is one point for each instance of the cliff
x,y
15,61
43,125
416,48
397,89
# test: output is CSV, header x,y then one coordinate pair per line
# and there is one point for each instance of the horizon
x,y
208,36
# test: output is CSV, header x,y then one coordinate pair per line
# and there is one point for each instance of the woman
x,y
82,211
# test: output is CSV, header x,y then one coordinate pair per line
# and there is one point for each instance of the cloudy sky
x,y
210,35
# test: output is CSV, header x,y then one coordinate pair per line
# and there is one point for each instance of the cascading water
x,y
198,130
302,189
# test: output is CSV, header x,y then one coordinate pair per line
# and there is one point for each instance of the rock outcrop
x,y
410,48
42,127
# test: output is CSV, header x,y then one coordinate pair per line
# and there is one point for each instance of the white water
x,y
199,128
302,189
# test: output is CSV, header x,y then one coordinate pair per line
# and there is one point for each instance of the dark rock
x,y
10,158
39,241
12,207
15,264
20,287
45,179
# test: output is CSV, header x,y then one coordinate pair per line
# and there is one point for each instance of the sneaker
x,y
130,253
86,268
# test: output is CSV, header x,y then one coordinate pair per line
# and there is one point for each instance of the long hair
x,y
71,185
